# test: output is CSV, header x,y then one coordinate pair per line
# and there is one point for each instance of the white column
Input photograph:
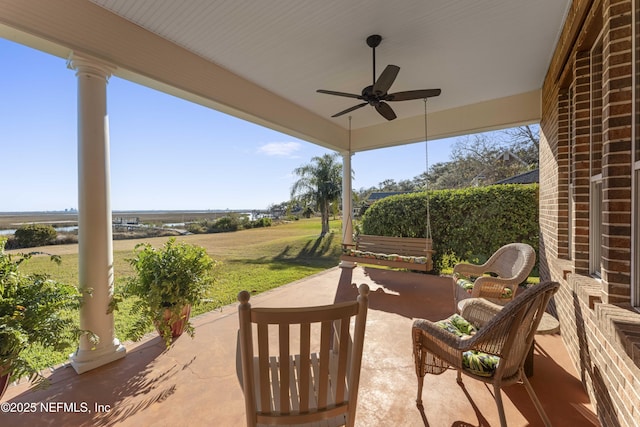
x,y
347,208
95,252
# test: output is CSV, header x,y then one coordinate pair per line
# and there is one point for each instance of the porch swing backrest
x,y
412,253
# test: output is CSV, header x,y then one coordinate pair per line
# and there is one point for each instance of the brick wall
x,y
616,154
581,159
548,204
599,327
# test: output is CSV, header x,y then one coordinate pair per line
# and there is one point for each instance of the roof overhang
x,y
151,49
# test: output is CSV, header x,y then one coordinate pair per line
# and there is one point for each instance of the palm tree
x,y
319,184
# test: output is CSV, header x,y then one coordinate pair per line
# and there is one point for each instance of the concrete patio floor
x,y
195,382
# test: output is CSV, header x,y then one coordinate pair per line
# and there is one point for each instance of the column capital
x,y
86,64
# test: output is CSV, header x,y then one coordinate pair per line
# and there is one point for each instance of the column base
x,y
86,360
347,264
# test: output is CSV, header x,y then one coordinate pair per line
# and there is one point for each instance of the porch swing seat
x,y
412,253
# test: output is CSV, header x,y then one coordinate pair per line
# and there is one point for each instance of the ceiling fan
x,y
376,94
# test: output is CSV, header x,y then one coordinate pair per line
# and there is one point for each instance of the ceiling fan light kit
x,y
377,94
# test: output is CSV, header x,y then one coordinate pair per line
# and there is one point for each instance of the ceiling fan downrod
x,y
373,42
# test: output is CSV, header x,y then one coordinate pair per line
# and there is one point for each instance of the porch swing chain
x,y
349,220
426,176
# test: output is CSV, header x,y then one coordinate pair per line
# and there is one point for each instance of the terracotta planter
x,y
178,327
4,384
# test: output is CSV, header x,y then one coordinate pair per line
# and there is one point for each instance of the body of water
x,y
67,229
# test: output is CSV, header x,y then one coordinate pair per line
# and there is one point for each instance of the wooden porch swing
x,y
412,253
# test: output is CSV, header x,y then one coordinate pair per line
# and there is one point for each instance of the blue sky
x,y
166,153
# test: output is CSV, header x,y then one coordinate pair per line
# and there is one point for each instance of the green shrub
x,y
262,222
225,224
33,310
176,275
468,224
196,228
32,235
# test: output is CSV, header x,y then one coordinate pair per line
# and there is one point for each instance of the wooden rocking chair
x,y
317,382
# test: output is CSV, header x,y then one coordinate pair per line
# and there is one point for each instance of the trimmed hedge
x,y
32,235
468,224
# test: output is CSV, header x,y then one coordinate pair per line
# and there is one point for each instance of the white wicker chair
x,y
505,334
512,264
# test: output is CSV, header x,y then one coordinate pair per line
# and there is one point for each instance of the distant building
x,y
507,157
374,197
529,177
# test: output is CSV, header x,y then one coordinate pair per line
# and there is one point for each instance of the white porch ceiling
x,y
489,57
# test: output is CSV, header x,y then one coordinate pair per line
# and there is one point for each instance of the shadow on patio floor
x,y
195,382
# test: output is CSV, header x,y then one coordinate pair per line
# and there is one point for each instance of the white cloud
x,y
280,149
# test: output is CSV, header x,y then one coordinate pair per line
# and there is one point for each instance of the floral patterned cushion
x,y
467,285
458,326
385,257
480,363
476,362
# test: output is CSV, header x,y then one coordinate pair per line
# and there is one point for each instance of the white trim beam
x,y
503,113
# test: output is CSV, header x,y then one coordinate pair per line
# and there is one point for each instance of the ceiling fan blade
x,y
412,94
386,79
332,92
385,111
348,110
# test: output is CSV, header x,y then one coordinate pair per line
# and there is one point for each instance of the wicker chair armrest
x,y
428,327
442,337
430,339
479,311
450,347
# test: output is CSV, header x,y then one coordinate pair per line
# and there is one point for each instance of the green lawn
x,y
256,260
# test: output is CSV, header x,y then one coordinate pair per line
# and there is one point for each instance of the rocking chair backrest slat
x,y
263,352
325,339
284,367
305,365
343,345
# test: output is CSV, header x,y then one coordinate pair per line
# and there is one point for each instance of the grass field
x,y
256,260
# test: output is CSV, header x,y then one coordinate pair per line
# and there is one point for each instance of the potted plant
x,y
168,282
33,309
